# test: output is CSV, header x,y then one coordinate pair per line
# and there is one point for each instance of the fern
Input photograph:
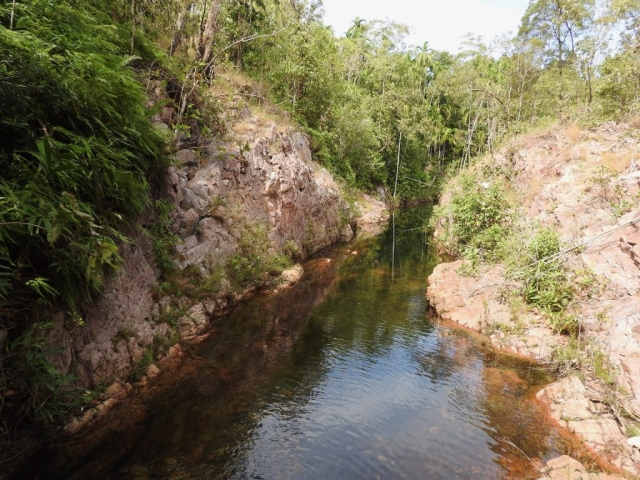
x,y
77,150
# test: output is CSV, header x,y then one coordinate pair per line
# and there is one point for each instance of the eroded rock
x,y
553,173
374,216
567,468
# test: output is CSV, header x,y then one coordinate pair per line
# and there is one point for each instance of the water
x,y
341,377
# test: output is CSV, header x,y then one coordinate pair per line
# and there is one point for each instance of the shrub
x,y
254,258
545,278
475,217
43,392
489,242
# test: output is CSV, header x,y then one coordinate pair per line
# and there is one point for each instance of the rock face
x,y
567,468
579,408
374,216
586,185
262,183
125,307
271,182
471,302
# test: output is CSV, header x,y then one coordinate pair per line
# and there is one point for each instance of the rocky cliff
x,y
258,187
585,185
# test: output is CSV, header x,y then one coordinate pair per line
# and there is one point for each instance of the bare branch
x,y
243,40
487,92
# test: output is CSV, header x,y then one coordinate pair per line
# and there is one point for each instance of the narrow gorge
x,y
262,239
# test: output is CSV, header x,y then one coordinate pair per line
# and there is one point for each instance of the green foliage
x,y
164,240
601,367
475,218
564,323
489,242
254,259
162,343
171,316
125,332
545,278
471,265
191,283
43,393
589,359
77,150
568,357
139,367
291,250
556,25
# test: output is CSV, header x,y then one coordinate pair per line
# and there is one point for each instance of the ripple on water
x,y
340,378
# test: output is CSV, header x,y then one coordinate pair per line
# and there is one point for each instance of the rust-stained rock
x,y
570,404
553,174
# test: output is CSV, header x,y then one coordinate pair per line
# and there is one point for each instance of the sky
x,y
442,23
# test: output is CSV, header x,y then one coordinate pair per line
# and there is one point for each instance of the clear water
x,y
341,377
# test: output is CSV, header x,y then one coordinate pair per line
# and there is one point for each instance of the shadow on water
x,y
341,376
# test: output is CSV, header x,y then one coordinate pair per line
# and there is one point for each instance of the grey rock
x,y
346,234
186,157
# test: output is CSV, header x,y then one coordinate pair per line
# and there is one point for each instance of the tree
x,y
205,46
556,25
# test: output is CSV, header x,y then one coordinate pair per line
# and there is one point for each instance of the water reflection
x,y
340,377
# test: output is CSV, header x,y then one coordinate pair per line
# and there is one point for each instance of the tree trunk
x,y
205,49
133,25
395,187
180,24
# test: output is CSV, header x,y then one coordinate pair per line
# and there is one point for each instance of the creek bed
x,y
342,376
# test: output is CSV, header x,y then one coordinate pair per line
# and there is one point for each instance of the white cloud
x,y
441,23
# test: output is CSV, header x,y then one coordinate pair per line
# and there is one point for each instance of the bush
x,y
546,282
476,217
43,393
489,242
254,259
77,150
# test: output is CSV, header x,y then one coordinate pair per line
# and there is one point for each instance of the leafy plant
x,y
564,323
45,393
475,216
545,278
77,150
254,259
139,367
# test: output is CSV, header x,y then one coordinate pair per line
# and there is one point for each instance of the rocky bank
x,y
585,184
260,185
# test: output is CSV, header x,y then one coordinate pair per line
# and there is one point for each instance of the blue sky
x,y
439,22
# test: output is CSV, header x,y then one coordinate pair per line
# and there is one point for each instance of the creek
x,y
342,376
